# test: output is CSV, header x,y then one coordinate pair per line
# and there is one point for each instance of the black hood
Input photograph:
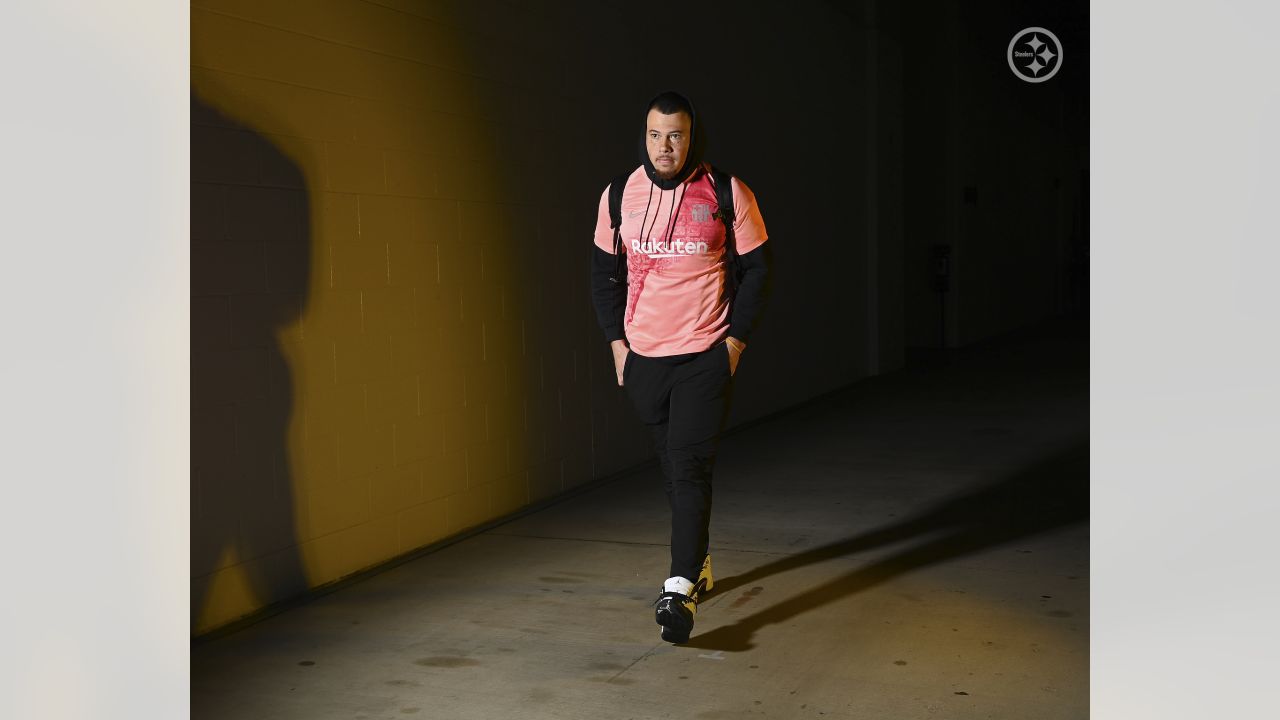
x,y
692,160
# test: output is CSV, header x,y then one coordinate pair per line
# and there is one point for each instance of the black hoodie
x,y
692,159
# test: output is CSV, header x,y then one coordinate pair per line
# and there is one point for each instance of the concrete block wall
x,y
391,210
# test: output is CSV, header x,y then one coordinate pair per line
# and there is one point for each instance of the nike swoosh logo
x,y
634,213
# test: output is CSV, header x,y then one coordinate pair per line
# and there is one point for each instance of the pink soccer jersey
x,y
676,268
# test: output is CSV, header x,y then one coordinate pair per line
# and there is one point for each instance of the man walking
x,y
678,313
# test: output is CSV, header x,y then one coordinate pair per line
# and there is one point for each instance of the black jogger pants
x,y
684,401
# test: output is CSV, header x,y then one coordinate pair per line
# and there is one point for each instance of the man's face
x,y
667,138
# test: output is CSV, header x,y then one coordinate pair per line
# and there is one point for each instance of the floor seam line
x,y
646,654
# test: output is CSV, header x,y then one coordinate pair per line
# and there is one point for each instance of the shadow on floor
x,y
1049,494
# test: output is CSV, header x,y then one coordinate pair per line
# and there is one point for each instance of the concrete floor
x,y
915,546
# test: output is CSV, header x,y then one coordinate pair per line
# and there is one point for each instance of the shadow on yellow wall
x,y
247,196
358,379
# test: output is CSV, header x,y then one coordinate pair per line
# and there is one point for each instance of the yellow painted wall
x,y
364,355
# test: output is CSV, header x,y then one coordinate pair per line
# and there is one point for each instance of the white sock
x,y
678,584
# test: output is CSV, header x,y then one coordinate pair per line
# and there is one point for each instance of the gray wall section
x,y
885,217
1021,152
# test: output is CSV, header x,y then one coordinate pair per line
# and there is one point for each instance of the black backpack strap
x,y
615,221
722,182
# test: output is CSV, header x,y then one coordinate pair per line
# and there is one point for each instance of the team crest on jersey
x,y
701,212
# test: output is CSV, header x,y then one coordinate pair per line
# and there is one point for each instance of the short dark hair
x,y
670,103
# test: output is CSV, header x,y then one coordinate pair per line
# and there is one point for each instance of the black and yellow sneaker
x,y
678,603
676,607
